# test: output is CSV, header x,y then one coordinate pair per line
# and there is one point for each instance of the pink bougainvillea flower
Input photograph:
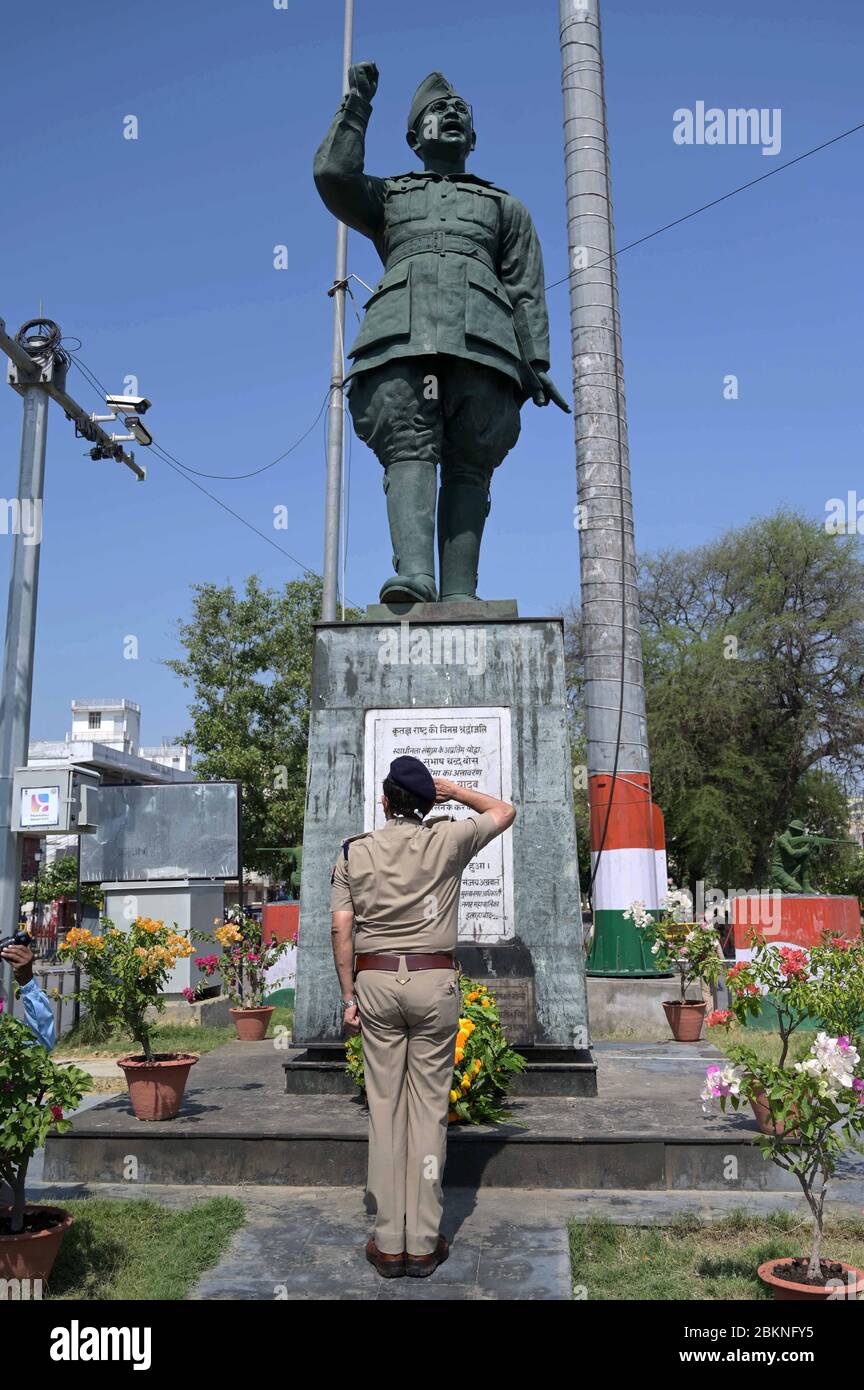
x,y
57,1112
189,995
718,1017
793,963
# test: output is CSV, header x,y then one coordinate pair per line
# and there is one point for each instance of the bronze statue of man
x,y
456,334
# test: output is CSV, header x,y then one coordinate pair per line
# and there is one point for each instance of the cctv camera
x,y
136,403
141,432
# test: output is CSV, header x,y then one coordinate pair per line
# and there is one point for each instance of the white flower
x,y
832,1063
722,1081
637,913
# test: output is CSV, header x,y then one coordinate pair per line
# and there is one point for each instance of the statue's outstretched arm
x,y
351,194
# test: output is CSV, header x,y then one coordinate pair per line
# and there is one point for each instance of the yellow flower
x,y
454,1096
477,1065
487,1003
148,924
460,1053
475,994
466,1081
465,1025
452,1117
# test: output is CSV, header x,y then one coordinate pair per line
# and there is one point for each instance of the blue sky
x,y
158,255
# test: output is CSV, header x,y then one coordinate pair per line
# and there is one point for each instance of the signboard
x,y
40,807
471,746
179,830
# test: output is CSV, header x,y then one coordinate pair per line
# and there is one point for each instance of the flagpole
x,y
336,408
627,841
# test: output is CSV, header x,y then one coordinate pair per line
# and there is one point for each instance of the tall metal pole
x,y
336,411
17,685
624,824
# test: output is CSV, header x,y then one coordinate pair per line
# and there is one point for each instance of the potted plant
x,y
690,949
243,965
35,1094
815,1104
825,982
483,1064
128,971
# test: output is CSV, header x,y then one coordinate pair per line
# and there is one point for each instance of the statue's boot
x,y
410,489
462,512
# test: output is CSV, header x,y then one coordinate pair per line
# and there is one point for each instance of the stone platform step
x,y
549,1072
645,1131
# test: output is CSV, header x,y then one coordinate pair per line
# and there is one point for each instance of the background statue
x,y
456,334
791,853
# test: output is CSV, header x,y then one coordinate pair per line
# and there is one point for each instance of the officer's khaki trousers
x,y
409,1043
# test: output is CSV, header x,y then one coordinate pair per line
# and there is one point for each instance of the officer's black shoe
x,y
421,1266
409,588
388,1266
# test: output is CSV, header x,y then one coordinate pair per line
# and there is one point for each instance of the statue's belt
x,y
439,243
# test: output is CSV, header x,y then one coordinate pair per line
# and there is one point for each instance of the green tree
x,y
60,880
754,673
248,664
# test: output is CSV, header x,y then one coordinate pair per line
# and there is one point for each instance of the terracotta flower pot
x,y
845,1282
31,1253
685,1018
761,1109
252,1024
156,1088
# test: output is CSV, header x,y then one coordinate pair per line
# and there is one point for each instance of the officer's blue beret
x,y
413,776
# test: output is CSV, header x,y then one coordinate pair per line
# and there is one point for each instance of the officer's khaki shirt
x,y
402,882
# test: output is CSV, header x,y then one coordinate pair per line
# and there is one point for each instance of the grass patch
x,y
706,1261
168,1037
141,1250
766,1045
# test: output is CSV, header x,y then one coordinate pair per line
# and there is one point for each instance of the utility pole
x,y
37,371
336,404
628,852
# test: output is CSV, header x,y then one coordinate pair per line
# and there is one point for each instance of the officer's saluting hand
x,y
501,811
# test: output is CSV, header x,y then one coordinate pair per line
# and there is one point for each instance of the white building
x,y
105,736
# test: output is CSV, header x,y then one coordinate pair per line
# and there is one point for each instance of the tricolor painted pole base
x,y
626,871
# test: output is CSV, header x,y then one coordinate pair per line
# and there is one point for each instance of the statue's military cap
x,y
432,88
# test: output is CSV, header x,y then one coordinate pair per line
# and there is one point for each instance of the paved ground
x,y
306,1243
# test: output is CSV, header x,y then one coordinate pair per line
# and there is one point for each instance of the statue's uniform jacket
x,y
463,265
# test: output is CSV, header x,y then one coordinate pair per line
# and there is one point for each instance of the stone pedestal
x,y
479,694
792,919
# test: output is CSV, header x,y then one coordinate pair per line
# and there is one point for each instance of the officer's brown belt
x,y
433,960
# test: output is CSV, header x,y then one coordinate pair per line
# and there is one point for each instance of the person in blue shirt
x,y
38,1013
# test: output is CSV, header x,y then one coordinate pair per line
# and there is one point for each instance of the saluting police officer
x,y
397,889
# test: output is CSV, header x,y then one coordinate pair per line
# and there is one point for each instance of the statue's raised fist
x,y
363,80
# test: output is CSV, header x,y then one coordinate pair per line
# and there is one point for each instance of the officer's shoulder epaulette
x,y
437,820
345,843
